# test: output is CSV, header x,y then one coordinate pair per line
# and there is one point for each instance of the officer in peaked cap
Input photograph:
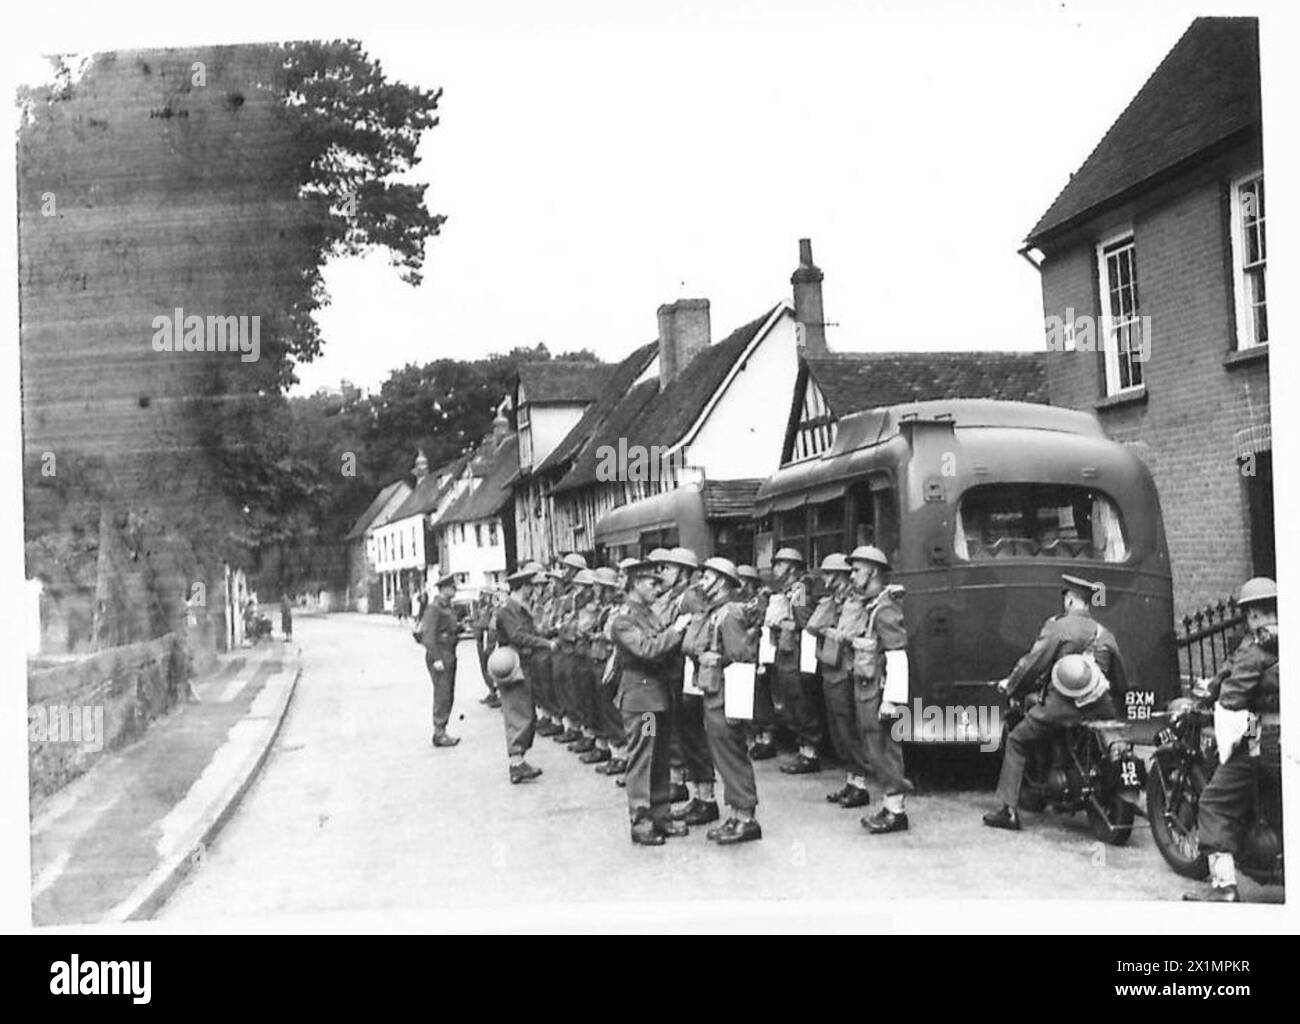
x,y
439,632
646,646
1072,632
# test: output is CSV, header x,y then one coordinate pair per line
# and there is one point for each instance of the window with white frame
x,y
1122,325
1249,254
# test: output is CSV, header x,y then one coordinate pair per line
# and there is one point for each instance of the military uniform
x,y
1249,682
796,691
840,617
515,628
689,746
647,649
721,630
542,664
567,669
884,631
1073,632
438,632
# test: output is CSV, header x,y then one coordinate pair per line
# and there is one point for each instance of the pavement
x,y
114,843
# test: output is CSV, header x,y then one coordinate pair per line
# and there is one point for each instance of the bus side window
x,y
875,517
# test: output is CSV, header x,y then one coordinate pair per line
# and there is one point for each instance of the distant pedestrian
x,y
286,617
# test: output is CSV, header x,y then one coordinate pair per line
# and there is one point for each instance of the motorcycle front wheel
x,y
1173,794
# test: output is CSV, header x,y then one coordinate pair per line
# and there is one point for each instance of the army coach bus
x,y
981,505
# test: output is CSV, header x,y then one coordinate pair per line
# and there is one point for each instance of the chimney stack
x,y
807,281
684,332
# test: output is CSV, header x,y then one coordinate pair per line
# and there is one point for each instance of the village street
x,y
355,811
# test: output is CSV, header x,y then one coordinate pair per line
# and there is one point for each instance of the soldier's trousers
x,y
802,699
690,745
842,721
647,735
444,689
540,677
883,753
764,704
584,710
1226,804
1035,730
730,753
609,720
517,710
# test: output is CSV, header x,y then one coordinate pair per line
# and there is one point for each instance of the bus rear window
x,y
1039,521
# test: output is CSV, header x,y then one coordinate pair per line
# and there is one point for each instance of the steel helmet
x,y
626,563
657,555
574,560
1074,675
605,576
723,567
1261,588
584,578
684,557
503,663
836,562
518,579
869,553
788,555
534,566
748,572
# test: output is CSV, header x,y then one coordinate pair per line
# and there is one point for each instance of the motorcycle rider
x,y
1082,660
1243,690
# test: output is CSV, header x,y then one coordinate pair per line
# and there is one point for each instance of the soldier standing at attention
x,y
594,647
644,648
1080,690
1245,693
718,637
839,617
560,626
516,630
438,632
881,676
581,678
790,608
692,765
545,692
753,597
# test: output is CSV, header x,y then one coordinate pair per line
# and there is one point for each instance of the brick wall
x,y
1194,403
119,690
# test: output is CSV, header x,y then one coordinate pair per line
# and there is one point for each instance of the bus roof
x,y
876,427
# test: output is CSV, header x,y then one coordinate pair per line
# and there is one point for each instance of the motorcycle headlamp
x,y
1180,706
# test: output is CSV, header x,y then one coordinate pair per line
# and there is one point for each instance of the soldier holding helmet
x,y
1081,659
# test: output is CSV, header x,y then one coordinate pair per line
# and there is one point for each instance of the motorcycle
x,y
1087,767
1185,759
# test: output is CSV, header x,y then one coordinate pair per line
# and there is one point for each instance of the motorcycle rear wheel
x,y
1176,840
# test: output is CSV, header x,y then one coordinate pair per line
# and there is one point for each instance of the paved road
x,y
355,811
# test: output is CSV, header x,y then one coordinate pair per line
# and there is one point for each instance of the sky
x,y
595,161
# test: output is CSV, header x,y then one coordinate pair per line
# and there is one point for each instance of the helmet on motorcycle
x,y
1256,590
836,562
869,553
1074,675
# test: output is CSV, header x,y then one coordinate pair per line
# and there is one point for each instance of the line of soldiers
x,y
630,668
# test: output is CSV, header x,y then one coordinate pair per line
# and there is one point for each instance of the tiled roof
x,y
564,380
428,492
864,380
373,509
493,465
595,415
1204,91
647,416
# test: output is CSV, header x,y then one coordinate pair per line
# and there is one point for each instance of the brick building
x,y
1152,261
